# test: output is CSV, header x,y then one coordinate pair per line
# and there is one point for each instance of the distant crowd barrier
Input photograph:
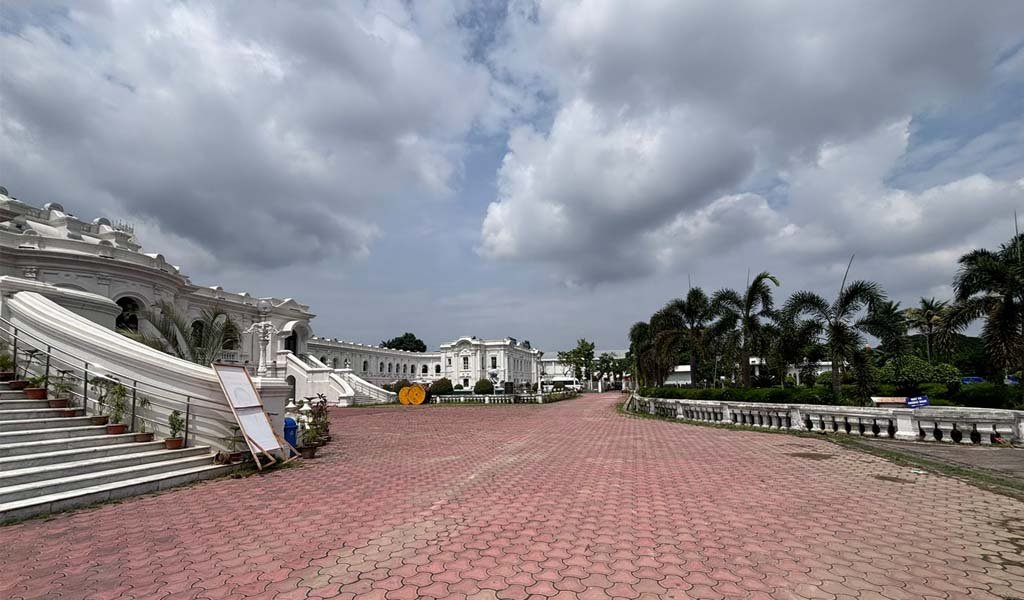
x,y
942,424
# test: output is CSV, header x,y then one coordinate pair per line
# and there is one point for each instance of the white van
x,y
568,383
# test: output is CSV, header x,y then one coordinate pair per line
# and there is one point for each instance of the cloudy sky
x,y
545,170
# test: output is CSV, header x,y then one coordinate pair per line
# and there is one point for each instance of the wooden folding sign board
x,y
252,419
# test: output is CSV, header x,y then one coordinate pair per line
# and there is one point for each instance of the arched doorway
x,y
129,317
290,380
296,334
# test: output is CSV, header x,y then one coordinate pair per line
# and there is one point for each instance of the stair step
x,y
63,484
6,394
60,501
19,403
21,414
93,439
39,459
44,424
33,435
93,465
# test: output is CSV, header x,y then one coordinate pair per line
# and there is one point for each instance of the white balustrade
x,y
945,424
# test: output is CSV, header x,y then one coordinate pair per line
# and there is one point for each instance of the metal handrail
x,y
190,404
76,357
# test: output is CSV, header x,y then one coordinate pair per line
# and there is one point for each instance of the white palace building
x,y
50,246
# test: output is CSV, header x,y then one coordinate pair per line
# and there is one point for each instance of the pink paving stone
x,y
507,501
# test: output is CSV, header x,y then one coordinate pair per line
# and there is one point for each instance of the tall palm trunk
x,y
837,377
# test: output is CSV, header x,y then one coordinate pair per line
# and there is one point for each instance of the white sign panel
x,y
248,409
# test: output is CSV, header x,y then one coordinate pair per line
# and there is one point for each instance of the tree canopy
x,y
407,341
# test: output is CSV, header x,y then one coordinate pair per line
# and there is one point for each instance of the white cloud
x,y
662,107
235,125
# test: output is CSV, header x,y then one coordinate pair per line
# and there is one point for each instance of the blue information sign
x,y
917,402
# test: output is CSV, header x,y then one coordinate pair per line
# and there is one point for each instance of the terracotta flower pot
x,y
35,393
99,420
116,428
235,457
17,384
173,443
55,403
69,412
308,451
144,437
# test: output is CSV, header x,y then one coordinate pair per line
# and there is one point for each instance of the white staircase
x,y
53,459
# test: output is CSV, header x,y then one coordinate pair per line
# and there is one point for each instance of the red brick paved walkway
x,y
569,500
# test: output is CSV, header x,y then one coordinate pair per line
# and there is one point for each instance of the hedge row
x,y
980,395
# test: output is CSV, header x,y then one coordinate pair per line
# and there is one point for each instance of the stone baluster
x,y
946,427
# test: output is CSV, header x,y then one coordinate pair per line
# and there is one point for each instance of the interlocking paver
x,y
570,500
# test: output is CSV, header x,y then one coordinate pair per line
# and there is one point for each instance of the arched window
x,y
424,370
232,337
197,332
381,369
334,362
323,359
366,366
390,367
437,369
405,368
129,317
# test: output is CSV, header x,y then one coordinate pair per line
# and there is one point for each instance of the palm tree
x,y
640,348
990,286
790,340
927,319
839,321
745,315
685,324
202,341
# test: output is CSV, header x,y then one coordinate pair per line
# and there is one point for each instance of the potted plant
x,y
112,398
177,425
236,455
116,402
60,389
36,388
142,435
320,420
142,403
310,442
6,367
20,384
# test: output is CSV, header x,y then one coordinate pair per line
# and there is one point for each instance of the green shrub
x,y
483,386
441,387
988,395
762,395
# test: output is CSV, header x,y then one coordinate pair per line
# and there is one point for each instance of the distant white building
x,y
463,361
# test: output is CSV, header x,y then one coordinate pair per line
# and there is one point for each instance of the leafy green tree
x,y
580,358
406,341
746,314
483,386
928,319
201,341
990,286
441,387
841,320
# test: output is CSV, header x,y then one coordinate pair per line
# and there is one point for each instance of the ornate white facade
x,y
50,245
464,361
